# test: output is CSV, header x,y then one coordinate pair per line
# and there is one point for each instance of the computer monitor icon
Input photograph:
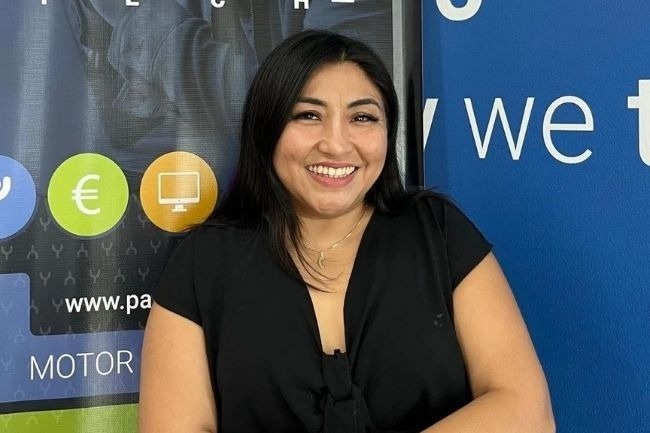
x,y
179,188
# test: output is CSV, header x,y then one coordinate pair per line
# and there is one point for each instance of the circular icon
x,y
17,197
178,191
88,194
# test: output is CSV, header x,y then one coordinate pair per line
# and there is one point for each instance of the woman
x,y
321,296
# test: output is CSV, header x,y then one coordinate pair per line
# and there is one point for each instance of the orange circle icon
x,y
178,191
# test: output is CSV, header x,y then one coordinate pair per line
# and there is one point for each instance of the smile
x,y
332,172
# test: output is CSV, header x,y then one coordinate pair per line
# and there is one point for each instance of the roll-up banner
x,y
119,130
537,117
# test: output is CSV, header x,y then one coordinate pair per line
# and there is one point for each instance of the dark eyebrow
x,y
321,103
310,100
364,101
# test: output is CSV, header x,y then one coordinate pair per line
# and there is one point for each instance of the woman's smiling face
x,y
333,147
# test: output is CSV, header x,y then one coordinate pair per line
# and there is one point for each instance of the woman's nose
x,y
336,138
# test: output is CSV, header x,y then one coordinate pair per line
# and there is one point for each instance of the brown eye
x,y
306,115
364,118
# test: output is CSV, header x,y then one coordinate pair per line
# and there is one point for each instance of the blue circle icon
x,y
17,197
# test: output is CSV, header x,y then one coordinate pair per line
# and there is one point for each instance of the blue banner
x,y
537,121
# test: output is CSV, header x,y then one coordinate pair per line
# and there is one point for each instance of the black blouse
x,y
403,369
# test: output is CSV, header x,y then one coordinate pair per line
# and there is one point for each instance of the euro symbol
x,y
79,195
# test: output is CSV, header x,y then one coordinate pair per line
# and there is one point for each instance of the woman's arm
x,y
507,381
175,390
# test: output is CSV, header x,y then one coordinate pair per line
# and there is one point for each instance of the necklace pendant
x,y
321,260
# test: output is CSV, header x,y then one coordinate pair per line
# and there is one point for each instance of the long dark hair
x,y
257,198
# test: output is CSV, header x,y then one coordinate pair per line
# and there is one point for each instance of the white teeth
x,y
331,171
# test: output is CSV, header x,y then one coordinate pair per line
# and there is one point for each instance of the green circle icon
x,y
88,194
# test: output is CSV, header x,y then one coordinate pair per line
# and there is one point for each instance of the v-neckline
x,y
355,274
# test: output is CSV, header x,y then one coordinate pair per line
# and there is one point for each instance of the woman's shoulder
x,y
425,202
212,238
435,201
431,209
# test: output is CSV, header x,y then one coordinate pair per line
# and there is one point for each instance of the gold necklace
x,y
321,253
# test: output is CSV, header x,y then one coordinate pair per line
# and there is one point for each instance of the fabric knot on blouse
x,y
344,408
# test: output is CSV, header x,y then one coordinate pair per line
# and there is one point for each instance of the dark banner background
x,y
131,83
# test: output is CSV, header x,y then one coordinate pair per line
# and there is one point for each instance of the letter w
x,y
73,304
482,145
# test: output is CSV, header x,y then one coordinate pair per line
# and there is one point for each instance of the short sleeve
x,y
176,289
466,245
